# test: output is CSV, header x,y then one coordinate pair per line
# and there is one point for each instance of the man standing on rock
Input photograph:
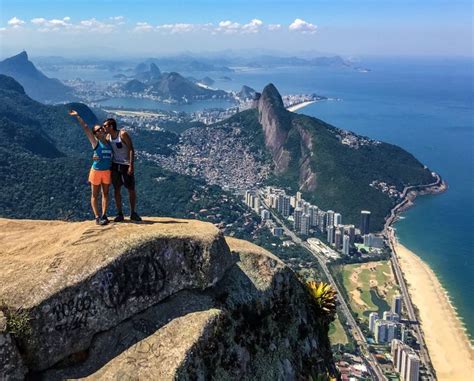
x,y
122,168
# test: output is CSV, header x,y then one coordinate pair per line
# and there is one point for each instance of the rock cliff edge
x,y
164,299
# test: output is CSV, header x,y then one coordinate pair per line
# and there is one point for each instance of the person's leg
x,y
94,199
105,199
118,199
132,196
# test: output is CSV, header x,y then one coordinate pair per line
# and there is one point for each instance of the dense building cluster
x,y
218,155
405,361
308,219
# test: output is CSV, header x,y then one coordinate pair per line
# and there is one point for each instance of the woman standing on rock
x,y
100,174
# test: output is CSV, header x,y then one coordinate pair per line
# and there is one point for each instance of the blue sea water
x,y
425,106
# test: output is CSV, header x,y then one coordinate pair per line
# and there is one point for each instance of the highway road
x,y
359,337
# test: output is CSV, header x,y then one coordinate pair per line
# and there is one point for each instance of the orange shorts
x,y
100,177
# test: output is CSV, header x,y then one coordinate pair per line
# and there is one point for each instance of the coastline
x,y
450,350
299,106
443,335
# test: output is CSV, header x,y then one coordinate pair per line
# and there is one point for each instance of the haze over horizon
x,y
114,29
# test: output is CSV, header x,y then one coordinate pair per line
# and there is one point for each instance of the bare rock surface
x,y
76,279
225,310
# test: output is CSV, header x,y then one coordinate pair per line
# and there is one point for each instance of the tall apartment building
x,y
330,234
373,316
397,303
305,221
364,222
405,361
338,239
298,213
384,331
350,231
391,316
346,244
329,218
337,219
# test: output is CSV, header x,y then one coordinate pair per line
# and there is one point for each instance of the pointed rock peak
x,y
23,56
271,96
154,69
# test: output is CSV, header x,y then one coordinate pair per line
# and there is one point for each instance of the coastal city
x,y
388,337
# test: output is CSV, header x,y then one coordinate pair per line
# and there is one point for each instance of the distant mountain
x,y
36,84
207,81
148,73
247,93
134,86
173,86
185,64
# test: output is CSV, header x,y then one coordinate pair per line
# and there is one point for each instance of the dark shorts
x,y
121,177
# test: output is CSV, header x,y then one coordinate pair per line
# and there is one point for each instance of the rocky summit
x,y
164,299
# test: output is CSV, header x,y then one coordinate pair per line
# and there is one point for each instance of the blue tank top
x,y
102,156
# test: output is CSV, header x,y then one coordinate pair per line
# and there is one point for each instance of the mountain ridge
x,y
36,84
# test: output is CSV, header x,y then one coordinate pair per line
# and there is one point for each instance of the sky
x,y
119,28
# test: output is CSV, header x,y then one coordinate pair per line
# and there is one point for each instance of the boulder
x,y
78,279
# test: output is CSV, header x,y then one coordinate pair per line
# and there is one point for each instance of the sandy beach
x,y
299,106
448,345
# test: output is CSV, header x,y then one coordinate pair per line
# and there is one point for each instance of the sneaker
x,y
97,220
135,217
119,218
104,220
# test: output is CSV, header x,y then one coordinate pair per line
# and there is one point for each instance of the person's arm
x,y
131,152
86,128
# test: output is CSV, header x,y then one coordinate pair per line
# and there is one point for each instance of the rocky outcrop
x,y
165,299
286,140
276,124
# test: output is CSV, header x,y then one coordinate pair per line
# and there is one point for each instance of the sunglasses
x,y
98,129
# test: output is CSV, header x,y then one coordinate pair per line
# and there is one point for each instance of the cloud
x,y
15,22
228,26
302,26
178,27
143,27
253,26
273,27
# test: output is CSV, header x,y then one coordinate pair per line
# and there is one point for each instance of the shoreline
x,y
444,341
450,349
299,106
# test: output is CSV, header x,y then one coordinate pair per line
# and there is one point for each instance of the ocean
x,y
426,107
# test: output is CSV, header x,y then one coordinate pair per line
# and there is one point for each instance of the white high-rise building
x,y
338,240
345,244
293,201
297,216
265,215
330,218
412,371
337,219
330,235
373,316
298,196
305,220
397,304
350,229
322,221
391,316
313,214
384,331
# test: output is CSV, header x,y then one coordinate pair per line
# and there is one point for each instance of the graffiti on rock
x,y
74,313
137,277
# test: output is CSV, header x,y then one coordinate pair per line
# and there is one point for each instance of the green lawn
x,y
337,334
370,287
